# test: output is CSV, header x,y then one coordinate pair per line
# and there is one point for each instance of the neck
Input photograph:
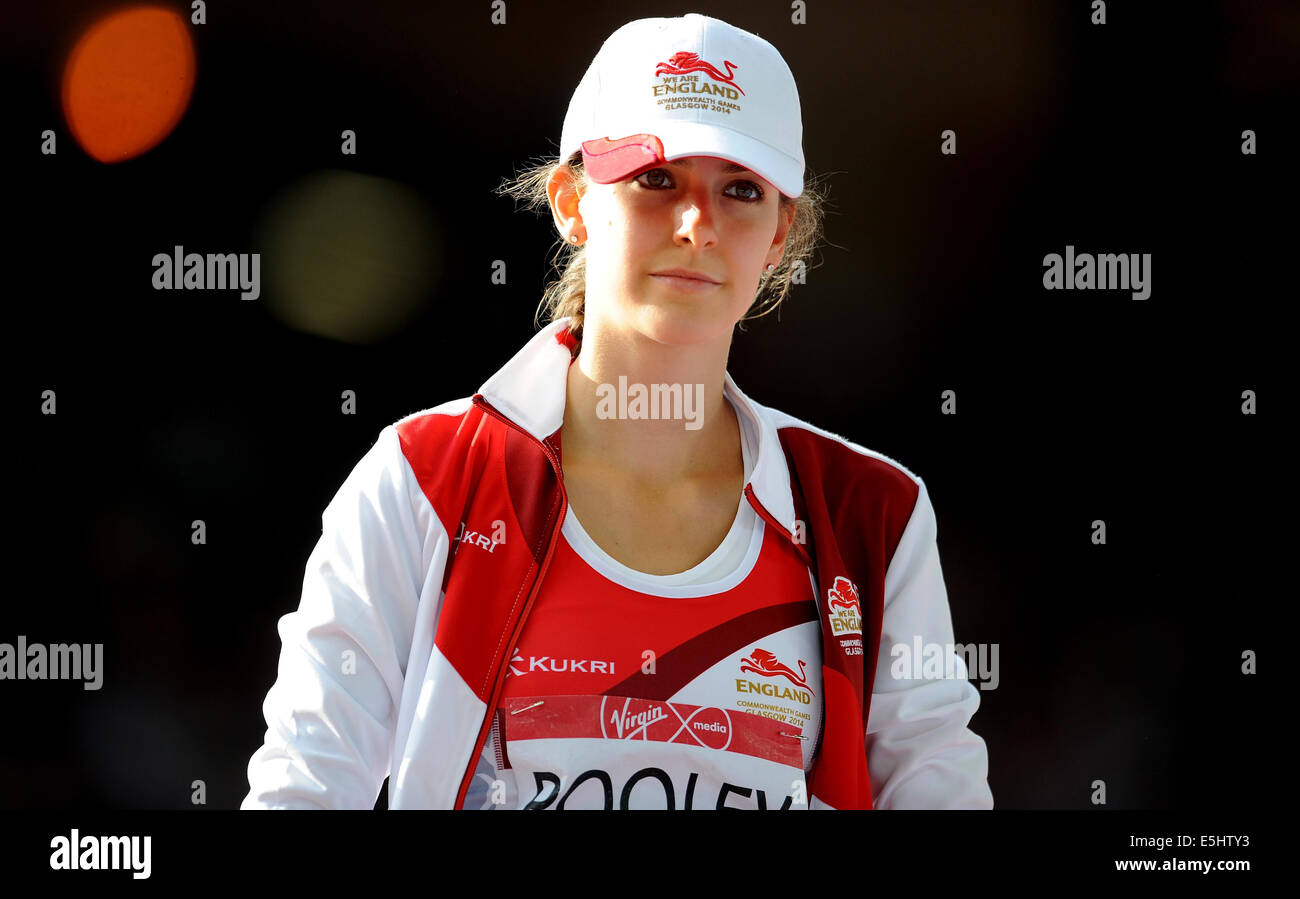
x,y
619,375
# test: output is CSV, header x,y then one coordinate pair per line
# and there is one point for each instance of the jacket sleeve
x,y
332,712
920,752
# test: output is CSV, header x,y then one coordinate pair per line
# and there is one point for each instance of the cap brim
x,y
608,160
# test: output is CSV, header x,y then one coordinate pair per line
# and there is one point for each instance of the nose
x,y
695,220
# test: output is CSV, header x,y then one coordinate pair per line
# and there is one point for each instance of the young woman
x,y
609,579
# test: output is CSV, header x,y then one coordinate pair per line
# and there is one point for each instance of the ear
x,y
564,192
784,219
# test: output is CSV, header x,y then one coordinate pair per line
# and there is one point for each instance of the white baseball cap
x,y
662,89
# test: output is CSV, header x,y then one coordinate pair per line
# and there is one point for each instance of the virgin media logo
x,y
665,722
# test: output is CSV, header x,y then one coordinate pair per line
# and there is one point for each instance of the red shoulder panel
x,y
855,508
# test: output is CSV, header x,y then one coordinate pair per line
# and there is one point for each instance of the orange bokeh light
x,y
128,81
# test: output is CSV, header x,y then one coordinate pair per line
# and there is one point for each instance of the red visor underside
x,y
607,161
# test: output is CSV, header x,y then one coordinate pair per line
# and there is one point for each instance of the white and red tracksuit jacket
x,y
395,662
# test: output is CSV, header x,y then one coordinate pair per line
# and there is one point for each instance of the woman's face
x,y
700,213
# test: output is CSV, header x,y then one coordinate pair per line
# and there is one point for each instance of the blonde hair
x,y
567,296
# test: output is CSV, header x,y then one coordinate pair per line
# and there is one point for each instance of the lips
x,y
687,273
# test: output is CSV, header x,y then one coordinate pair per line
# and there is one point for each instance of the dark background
x,y
1118,662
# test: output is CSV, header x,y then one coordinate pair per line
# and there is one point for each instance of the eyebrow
x,y
689,162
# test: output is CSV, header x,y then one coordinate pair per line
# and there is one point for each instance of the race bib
x,y
616,752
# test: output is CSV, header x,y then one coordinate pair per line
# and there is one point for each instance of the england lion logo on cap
x,y
683,63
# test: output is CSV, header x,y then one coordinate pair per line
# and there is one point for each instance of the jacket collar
x,y
532,387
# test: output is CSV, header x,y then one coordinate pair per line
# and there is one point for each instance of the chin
x,y
684,324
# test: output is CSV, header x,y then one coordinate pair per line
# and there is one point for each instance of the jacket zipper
x,y
499,686
758,507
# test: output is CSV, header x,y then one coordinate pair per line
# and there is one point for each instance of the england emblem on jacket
x,y
845,614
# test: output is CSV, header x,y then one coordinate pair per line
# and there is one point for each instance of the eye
x,y
755,194
663,172
758,191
